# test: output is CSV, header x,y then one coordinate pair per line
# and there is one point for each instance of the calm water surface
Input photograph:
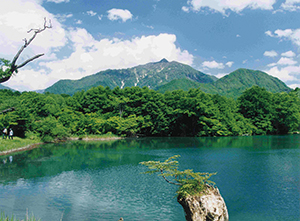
x,y
259,178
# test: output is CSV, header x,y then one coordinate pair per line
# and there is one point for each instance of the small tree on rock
x,y
197,195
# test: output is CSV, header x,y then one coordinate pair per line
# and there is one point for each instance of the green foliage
x,y
5,68
190,183
169,76
139,111
51,129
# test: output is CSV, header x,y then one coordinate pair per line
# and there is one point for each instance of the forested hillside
x,y
144,112
151,75
231,85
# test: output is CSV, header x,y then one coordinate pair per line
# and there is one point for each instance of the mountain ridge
x,y
167,76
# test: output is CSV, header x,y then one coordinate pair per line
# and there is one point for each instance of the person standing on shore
x,y
4,133
11,134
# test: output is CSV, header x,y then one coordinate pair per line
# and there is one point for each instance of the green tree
x,y
286,116
256,104
190,183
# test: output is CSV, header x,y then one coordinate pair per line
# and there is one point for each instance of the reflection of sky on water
x,y
258,184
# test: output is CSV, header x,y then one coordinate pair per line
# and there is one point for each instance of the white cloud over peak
x,y
90,56
119,14
213,64
270,53
234,5
288,73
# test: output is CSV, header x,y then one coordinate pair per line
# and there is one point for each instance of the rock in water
x,y
209,206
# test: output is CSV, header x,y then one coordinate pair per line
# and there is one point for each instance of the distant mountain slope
x,y
4,87
231,85
167,76
235,83
151,75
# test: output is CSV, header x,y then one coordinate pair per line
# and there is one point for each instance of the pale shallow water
x,y
259,178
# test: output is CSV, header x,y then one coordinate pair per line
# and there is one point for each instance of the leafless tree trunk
x,y
14,67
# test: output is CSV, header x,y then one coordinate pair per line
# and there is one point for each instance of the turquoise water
x,y
259,178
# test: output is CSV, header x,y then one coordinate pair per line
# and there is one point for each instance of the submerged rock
x,y
210,206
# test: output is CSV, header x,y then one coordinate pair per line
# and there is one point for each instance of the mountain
x,y
167,76
4,87
231,85
235,83
151,75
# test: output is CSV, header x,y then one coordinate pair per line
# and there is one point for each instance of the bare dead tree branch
x,y
14,66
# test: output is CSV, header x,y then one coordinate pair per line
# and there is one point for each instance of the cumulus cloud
x,y
85,55
270,54
288,73
287,34
15,24
58,1
223,5
91,13
213,64
90,56
229,63
291,5
119,14
220,75
286,61
289,54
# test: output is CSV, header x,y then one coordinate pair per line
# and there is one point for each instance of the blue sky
x,y
213,36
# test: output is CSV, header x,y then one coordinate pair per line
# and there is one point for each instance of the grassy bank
x,y
19,144
16,143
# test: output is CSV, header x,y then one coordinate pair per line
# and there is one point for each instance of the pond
x,y
259,178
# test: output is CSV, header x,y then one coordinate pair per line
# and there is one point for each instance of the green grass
x,y
96,136
6,144
4,217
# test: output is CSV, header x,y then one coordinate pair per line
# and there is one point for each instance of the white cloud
x,y
15,24
291,5
58,1
90,56
289,54
220,75
270,54
185,9
91,13
229,63
287,34
269,33
286,61
86,54
293,86
234,5
63,17
287,73
238,36
119,14
100,17
79,22
213,64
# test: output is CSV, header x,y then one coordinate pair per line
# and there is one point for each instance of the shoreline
x,y
36,145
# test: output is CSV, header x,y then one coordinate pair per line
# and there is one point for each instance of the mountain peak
x,y
163,61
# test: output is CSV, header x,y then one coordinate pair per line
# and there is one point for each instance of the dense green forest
x,y
139,111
